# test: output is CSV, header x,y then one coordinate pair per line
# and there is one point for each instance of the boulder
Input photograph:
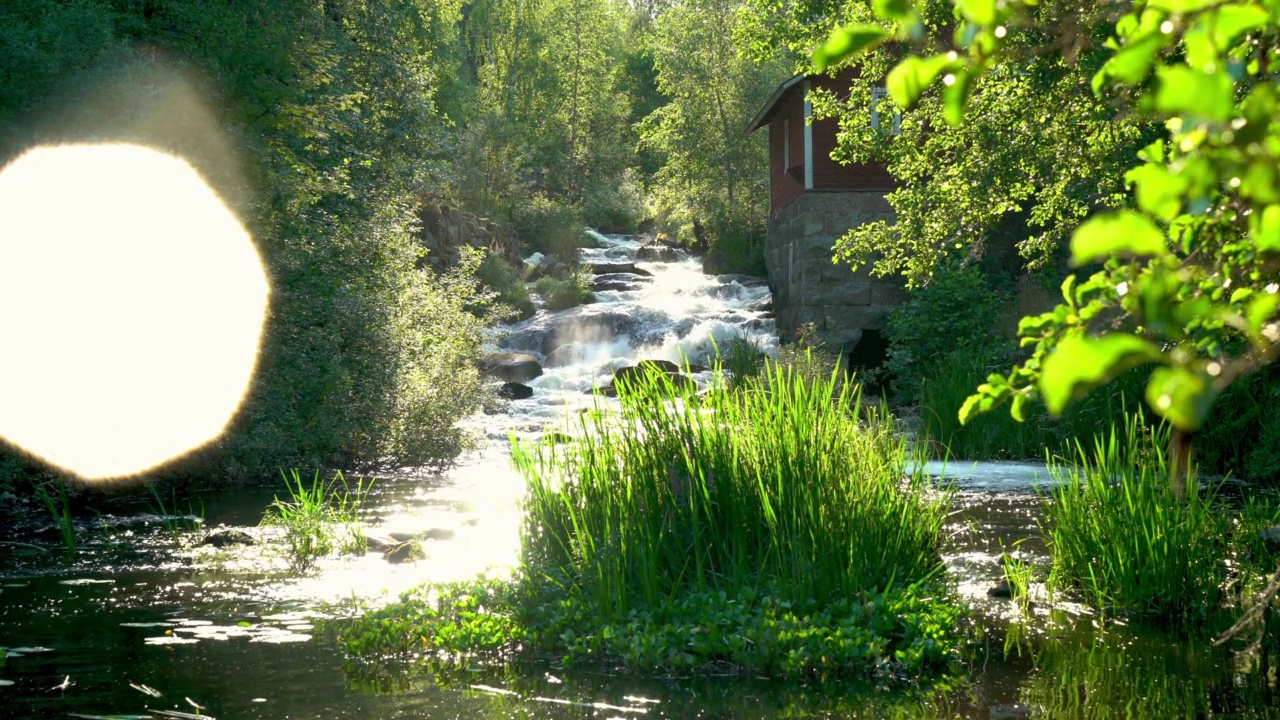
x,y
622,282
409,551
515,391
609,268
379,543
1271,537
1000,590
714,264
657,253
645,367
665,240
604,390
511,367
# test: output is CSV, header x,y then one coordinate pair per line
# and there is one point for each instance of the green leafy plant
x,y
503,279
180,529
319,518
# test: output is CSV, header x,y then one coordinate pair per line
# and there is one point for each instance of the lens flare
x,y
132,303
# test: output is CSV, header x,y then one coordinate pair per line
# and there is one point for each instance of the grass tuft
x,y
320,518
1118,532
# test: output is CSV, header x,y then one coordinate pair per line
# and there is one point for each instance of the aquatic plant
x,y
59,509
1119,533
777,483
774,530
320,518
179,528
740,360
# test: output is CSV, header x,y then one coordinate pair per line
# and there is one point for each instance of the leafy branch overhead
x,y
1182,270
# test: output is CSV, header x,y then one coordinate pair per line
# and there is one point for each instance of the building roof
x,y
770,107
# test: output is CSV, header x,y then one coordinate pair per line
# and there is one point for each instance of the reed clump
x,y
778,529
1122,535
319,518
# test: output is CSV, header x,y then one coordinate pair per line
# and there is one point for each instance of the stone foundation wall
x,y
807,287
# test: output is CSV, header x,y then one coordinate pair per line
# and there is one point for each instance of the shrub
x,y
740,247
953,314
498,275
548,227
944,385
1118,531
566,290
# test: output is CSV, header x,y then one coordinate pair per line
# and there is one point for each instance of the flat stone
x,y
609,268
225,538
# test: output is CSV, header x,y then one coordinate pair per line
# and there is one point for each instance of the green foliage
x,y
1189,278
774,484
570,289
319,519
771,530
498,275
902,630
1119,531
1241,436
741,360
712,172
954,316
284,107
549,227
59,507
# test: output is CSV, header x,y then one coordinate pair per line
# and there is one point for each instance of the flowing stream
x,y
145,623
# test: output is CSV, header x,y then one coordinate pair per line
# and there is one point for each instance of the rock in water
x,y
511,367
404,552
225,538
515,391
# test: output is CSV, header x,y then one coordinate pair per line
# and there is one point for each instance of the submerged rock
x,y
225,538
1001,590
511,367
515,391
1271,537
379,543
409,551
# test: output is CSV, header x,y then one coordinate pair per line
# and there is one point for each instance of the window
x,y
877,96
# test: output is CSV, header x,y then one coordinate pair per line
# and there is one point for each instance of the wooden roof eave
x,y
771,106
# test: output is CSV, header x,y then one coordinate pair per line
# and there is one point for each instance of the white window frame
x,y
786,144
877,95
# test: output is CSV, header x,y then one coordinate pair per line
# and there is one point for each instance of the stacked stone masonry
x,y
808,288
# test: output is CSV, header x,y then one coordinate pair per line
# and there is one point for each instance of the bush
x,y
569,289
952,316
739,246
548,227
1241,436
498,275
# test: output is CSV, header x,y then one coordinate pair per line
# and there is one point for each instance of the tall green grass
x,y
59,507
1118,532
319,518
787,487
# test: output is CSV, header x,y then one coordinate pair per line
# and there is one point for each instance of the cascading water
x,y
667,311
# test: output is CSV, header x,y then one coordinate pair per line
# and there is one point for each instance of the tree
x,y
712,171
1190,276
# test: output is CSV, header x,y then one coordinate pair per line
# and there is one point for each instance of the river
x,y
146,623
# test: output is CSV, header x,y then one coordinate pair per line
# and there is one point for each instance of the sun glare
x,y
131,307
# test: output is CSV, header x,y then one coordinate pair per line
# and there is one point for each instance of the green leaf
x,y
956,96
1266,230
1133,62
1261,310
982,12
1125,233
1184,91
1019,408
1180,396
846,42
1181,6
913,76
892,9
1159,191
1080,364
